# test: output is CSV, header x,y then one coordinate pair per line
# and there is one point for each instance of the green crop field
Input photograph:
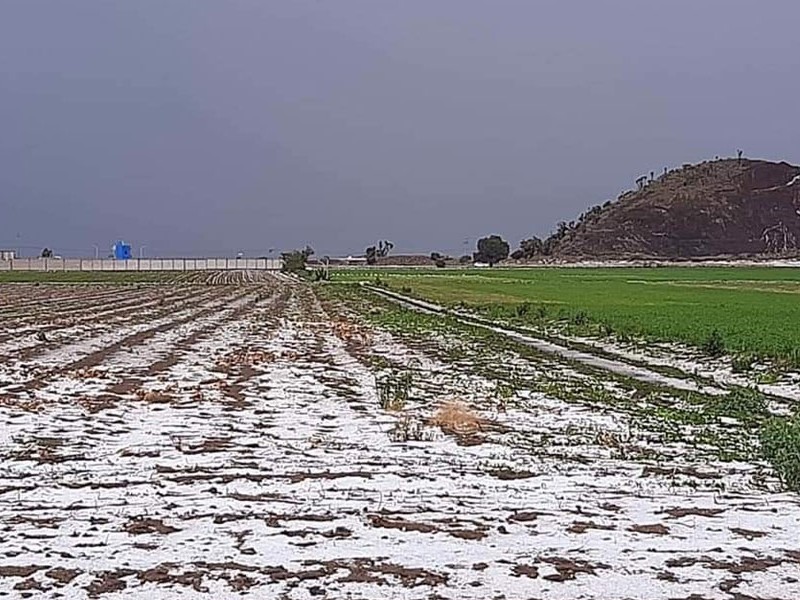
x,y
748,310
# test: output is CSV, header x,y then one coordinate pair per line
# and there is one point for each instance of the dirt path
x,y
251,454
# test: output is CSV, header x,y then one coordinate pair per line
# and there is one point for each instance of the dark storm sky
x,y
209,126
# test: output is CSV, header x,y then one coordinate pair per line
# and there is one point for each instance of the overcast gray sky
x,y
208,126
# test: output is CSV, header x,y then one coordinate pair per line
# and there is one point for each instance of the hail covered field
x,y
247,434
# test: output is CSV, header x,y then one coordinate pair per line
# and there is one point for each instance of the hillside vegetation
x,y
722,207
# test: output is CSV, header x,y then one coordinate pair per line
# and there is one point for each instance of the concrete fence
x,y
141,264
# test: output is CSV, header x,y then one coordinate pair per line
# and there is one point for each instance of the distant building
x,y
8,254
122,251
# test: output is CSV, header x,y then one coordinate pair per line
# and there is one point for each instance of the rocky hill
x,y
722,207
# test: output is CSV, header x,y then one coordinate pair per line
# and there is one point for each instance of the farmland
x,y
755,310
123,277
221,434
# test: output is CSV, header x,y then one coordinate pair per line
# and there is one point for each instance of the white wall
x,y
140,264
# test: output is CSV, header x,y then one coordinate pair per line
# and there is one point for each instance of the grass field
x,y
754,310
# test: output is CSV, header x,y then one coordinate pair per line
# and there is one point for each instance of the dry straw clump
x,y
350,333
457,418
154,396
247,357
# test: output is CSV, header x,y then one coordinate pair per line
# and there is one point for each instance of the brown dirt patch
x,y
298,477
209,445
338,533
793,554
678,513
528,571
19,571
109,582
29,585
48,522
749,534
525,516
277,519
655,529
163,364
468,534
411,577
401,524
567,569
685,471
62,575
584,526
126,387
684,561
144,525
507,474
746,565
241,582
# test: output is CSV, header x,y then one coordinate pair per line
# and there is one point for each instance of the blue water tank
x,y
122,251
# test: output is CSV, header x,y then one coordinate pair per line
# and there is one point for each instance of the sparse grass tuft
x,y
714,344
504,391
746,405
409,429
742,363
580,318
780,444
394,391
523,309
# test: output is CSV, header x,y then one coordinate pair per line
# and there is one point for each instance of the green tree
x,y
384,247
529,248
492,250
295,260
381,250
